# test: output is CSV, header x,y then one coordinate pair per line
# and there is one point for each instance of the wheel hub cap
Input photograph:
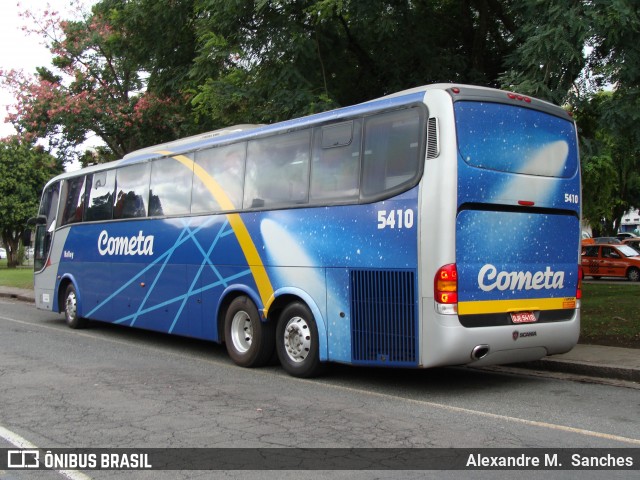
x,y
297,339
71,307
241,332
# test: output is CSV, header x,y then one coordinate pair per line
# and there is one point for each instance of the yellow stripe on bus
x,y
265,289
522,305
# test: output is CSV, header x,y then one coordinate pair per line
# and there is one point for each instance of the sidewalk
x,y
593,361
23,294
587,360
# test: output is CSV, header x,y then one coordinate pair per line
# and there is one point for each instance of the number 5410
x,y
571,198
395,219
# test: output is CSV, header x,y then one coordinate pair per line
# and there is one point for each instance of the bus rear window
x,y
514,139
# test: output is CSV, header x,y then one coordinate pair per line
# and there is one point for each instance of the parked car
x,y
623,235
598,240
3,253
633,243
609,240
611,261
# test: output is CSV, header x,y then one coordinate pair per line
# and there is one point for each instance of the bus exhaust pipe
x,y
479,351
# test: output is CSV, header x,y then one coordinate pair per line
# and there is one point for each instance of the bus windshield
x,y
513,139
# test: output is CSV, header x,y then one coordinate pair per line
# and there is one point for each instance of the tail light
x,y
445,289
517,96
579,288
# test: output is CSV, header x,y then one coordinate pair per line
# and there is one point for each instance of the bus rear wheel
x,y
297,342
249,341
71,308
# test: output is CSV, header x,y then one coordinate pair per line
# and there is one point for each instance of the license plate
x,y
523,317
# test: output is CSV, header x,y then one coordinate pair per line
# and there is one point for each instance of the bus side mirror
x,y
26,237
39,220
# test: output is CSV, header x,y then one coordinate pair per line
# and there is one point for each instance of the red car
x,y
611,261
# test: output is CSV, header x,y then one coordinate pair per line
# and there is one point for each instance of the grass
x,y
610,312
21,277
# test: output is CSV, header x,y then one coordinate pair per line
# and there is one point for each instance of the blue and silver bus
x,y
435,226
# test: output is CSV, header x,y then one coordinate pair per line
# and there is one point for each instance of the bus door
x,y
45,224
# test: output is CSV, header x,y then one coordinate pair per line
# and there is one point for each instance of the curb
x,y
17,296
583,368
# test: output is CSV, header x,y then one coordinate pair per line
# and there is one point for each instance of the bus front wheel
x,y
297,341
71,308
249,341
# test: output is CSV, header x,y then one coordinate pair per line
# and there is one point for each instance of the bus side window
x,y
335,166
392,146
132,185
225,165
100,188
170,190
49,204
73,194
278,170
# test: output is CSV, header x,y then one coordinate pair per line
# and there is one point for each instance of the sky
x,y
23,51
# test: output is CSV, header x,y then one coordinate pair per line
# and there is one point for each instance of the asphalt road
x,y
110,386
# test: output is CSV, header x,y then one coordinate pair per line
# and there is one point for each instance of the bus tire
x,y
297,342
71,308
249,341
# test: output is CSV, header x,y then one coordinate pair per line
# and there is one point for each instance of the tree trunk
x,y
12,242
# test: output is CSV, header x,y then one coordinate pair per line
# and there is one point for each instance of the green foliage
x,y
550,41
284,59
24,170
568,51
615,61
610,161
159,38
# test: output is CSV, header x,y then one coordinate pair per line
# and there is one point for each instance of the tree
x,y
615,61
98,85
25,170
160,37
568,52
269,61
548,57
610,164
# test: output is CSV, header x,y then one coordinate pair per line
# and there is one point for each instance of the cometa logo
x,y
489,279
136,245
